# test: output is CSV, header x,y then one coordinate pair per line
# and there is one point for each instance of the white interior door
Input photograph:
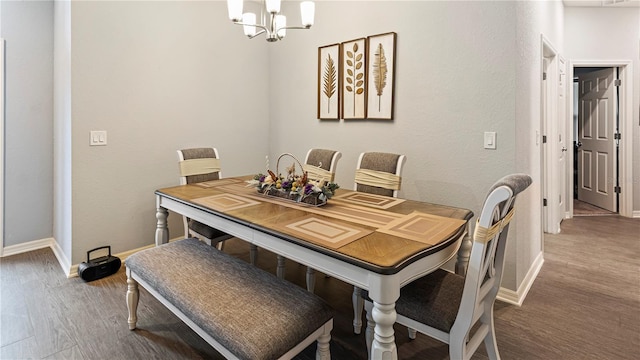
x,y
555,151
1,146
558,194
596,128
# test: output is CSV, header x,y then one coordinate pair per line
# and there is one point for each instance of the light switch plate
x,y
98,138
490,140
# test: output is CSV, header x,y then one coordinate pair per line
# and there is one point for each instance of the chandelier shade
x,y
272,23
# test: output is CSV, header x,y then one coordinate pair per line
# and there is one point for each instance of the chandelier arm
x,y
258,33
295,27
259,26
291,28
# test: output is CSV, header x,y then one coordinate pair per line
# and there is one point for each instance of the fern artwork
x,y
381,58
328,89
379,71
329,79
354,78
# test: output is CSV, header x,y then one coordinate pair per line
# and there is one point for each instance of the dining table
x,y
373,242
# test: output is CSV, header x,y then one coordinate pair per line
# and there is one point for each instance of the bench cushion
x,y
250,312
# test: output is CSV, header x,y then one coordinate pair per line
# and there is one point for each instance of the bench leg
x,y
322,351
133,295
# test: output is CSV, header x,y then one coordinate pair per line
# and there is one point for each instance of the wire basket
x,y
294,187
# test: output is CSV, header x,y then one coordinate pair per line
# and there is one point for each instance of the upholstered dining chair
x,y
381,174
320,164
447,306
199,165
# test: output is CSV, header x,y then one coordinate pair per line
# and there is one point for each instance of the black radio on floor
x,y
100,267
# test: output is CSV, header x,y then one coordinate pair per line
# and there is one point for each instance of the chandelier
x,y
273,24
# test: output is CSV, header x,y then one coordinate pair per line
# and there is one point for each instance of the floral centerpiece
x,y
294,187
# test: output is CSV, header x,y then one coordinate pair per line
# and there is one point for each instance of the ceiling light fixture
x,y
273,24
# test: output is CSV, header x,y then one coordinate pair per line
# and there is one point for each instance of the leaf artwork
x,y
329,78
379,71
355,74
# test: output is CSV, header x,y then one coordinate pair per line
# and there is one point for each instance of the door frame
x,y
551,122
2,122
625,160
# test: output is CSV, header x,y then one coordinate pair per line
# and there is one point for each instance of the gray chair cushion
x,y
433,300
200,153
516,182
380,162
318,156
250,312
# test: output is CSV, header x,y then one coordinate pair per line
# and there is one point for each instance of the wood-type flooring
x,y
584,304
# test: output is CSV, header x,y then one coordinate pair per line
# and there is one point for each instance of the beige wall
x,y
610,35
26,27
157,76
457,76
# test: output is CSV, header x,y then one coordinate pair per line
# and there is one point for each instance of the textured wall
x,y
170,75
26,28
456,68
610,35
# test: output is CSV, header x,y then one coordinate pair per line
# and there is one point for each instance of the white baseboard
x,y
69,270
64,262
28,246
636,214
517,297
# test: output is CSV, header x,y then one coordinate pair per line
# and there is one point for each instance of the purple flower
x,y
308,189
261,178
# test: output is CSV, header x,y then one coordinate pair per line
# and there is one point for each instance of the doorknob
x,y
578,144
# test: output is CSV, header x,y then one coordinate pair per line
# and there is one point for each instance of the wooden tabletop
x,y
384,234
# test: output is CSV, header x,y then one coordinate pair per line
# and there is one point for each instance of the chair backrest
x,y
320,164
198,165
379,173
486,262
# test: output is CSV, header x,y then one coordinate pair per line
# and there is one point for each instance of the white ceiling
x,y
602,3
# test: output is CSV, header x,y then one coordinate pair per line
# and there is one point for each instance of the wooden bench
x,y
239,309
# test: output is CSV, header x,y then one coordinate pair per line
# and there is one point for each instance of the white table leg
x,y
162,231
384,342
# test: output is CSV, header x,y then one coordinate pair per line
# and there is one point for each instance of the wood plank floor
x,y
585,304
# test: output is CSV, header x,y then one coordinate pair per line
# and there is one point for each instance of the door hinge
x,y
544,76
617,136
544,202
617,189
544,139
617,82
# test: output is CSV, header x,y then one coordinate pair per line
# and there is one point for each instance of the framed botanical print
x,y
354,79
381,52
329,82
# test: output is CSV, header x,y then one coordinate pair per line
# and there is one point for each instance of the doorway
x,y
554,123
620,156
1,146
596,141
